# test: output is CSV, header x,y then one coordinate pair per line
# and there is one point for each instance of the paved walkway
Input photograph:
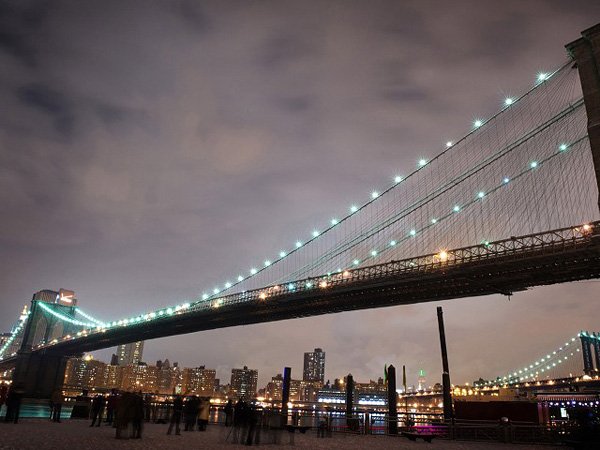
x,y
77,435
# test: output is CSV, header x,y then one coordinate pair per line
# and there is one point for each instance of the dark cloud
x,y
148,149
20,26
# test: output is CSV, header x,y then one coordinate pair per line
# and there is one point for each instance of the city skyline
x,y
151,181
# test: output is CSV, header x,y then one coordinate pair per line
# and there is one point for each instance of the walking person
x,y
98,403
176,415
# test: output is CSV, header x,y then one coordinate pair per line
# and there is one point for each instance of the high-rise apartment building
x,y
244,382
314,366
84,373
198,380
130,354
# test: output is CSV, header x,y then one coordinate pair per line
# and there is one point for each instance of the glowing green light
x,y
309,284
215,290
374,194
508,101
456,208
253,271
413,232
315,233
562,147
291,286
477,123
542,76
353,209
240,278
204,296
334,221
481,194
397,179
282,254
422,162
449,144
298,244
356,262
227,285
373,252
533,164
392,243
434,221
267,263
506,180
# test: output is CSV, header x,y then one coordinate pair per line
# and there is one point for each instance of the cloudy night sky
x,y
150,149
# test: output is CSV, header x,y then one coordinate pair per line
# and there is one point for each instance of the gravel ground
x,y
77,435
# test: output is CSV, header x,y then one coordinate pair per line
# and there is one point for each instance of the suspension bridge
x,y
511,204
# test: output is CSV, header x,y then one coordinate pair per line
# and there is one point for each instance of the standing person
x,y
13,403
203,413
138,415
189,414
229,413
110,407
176,415
97,409
238,421
57,401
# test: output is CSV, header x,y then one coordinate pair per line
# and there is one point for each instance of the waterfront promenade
x,y
41,434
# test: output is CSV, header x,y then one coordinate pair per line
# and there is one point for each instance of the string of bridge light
x,y
444,255
65,318
478,123
13,334
88,317
398,179
541,365
472,171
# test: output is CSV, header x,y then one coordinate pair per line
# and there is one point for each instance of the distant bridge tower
x,y
586,53
38,374
590,350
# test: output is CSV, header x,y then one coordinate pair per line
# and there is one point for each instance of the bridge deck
x,y
506,266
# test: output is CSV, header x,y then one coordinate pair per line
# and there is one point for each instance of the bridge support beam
x,y
586,53
39,374
285,392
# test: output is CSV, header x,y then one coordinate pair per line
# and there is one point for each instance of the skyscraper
x,y
314,366
130,353
243,382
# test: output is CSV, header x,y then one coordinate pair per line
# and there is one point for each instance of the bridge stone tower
x,y
40,373
586,53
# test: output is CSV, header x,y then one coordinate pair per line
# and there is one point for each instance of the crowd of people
x,y
247,423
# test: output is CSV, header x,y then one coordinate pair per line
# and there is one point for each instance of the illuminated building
x,y
421,386
243,383
198,380
168,378
84,373
128,354
140,377
113,376
314,366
